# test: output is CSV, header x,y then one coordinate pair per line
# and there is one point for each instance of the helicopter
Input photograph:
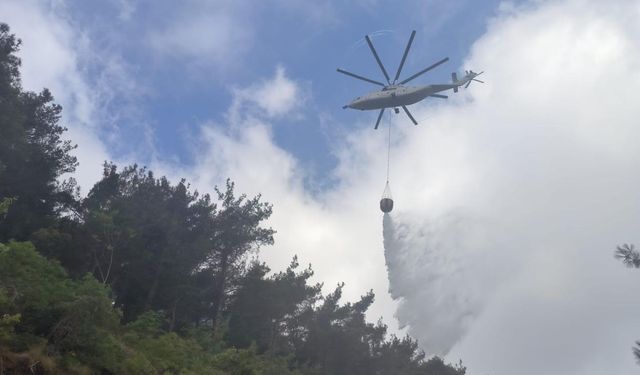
x,y
395,94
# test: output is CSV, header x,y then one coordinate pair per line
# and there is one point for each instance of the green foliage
x,y
292,333
399,355
151,237
9,62
5,203
336,338
248,362
77,317
38,287
149,324
88,326
263,307
171,353
7,321
437,366
168,248
237,231
162,351
68,243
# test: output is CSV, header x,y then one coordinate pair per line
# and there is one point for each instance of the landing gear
x,y
396,110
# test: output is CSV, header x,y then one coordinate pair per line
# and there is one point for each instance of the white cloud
x,y
279,95
274,97
204,34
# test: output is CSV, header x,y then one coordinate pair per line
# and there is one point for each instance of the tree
x,y
68,317
33,155
336,339
264,306
35,287
237,231
149,239
399,355
631,258
248,362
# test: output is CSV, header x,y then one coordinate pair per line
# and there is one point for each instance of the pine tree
x,y
33,155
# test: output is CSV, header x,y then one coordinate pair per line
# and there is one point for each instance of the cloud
x,y
204,34
279,95
274,97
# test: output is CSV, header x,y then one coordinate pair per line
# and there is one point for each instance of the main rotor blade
x,y
375,54
360,77
425,70
477,80
439,96
404,57
379,117
467,85
409,114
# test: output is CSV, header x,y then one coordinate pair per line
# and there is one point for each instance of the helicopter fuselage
x,y
397,96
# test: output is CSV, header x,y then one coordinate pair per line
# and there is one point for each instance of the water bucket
x,y
386,203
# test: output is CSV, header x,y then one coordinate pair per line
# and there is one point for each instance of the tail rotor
x,y
471,76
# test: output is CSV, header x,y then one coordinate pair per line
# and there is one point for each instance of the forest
x,y
147,276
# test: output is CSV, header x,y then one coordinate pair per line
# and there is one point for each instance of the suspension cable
x,y
389,147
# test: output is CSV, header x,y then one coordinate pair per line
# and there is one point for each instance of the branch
x,y
629,255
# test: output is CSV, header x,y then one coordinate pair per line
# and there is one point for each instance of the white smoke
x,y
435,266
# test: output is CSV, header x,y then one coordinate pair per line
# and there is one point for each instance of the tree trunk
x,y
219,293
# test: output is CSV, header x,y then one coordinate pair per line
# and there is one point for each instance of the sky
x,y
510,196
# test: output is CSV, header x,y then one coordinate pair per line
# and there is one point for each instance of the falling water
x,y
430,274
